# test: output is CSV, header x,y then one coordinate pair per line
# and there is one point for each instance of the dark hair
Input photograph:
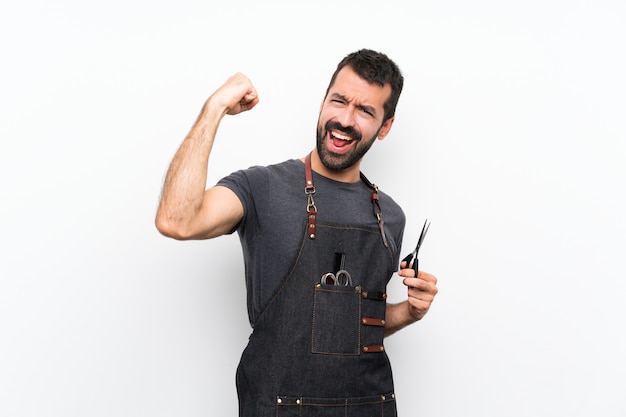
x,y
375,68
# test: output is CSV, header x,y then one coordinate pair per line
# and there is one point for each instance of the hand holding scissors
x,y
411,258
421,289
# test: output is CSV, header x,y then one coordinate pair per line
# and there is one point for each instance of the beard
x,y
339,162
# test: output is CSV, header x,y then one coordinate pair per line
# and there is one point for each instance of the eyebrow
x,y
364,107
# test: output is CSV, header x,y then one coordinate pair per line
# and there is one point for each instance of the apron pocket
x,y
376,406
336,320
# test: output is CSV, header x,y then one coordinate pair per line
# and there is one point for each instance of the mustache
x,y
333,125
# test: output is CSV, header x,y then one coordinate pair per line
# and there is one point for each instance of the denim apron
x,y
317,348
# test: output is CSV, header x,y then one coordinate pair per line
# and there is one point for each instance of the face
x,y
350,120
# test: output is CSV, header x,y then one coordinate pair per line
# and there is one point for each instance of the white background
x,y
509,137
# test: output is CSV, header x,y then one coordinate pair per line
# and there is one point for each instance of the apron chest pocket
x,y
336,320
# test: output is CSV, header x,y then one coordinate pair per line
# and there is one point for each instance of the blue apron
x,y
317,348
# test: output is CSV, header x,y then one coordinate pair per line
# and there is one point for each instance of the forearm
x,y
397,317
185,182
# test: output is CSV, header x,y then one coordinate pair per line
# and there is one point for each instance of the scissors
x,y
411,258
341,277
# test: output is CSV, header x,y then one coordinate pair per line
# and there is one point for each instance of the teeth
x,y
341,137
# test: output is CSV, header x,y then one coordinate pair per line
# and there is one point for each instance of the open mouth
x,y
339,139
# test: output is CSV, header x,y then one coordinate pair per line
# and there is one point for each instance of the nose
x,y
347,116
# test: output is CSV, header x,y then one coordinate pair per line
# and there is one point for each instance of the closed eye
x,y
368,110
343,101
338,98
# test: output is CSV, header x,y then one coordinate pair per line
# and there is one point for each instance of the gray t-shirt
x,y
275,219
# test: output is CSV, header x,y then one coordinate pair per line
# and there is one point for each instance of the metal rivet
x,y
312,235
279,401
298,401
382,397
365,349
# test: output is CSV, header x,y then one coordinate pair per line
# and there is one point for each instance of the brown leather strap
x,y
378,211
308,174
310,190
370,321
312,210
373,349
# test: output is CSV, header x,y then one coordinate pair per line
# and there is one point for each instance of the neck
x,y
351,174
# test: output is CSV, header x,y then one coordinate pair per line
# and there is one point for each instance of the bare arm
x,y
421,293
186,209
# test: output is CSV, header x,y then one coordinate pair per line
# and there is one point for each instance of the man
x,y
320,244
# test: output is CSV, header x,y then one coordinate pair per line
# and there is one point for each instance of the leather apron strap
x,y
312,209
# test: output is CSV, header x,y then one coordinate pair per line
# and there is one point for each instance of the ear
x,y
385,128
